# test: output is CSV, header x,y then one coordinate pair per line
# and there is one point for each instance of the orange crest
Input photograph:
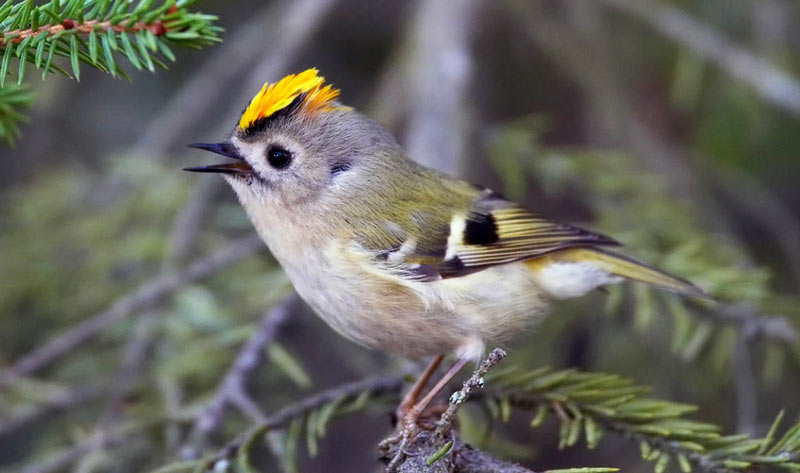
x,y
317,97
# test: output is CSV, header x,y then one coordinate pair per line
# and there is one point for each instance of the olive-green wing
x,y
492,231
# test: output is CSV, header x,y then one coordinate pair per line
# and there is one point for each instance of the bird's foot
x,y
397,447
413,423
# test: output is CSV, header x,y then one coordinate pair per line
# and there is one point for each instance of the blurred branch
x,y
291,23
94,441
436,79
770,82
147,295
231,389
60,402
187,221
751,322
746,391
590,67
338,395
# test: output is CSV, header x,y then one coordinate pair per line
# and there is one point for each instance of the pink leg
x,y
411,397
416,411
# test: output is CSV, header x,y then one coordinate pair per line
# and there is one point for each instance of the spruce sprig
x,y
587,405
98,33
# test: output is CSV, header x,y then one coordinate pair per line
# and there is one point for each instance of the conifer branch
x,y
589,404
97,33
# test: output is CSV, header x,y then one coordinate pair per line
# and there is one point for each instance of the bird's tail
x,y
623,266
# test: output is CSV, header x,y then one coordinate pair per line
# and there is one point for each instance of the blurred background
x,y
128,287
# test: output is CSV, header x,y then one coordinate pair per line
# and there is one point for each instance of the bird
x,y
396,256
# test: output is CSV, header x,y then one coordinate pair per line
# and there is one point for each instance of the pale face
x,y
283,169
296,161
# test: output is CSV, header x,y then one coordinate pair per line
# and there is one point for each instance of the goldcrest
x,y
393,255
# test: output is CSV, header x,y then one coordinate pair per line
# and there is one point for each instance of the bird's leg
x,y
409,421
413,394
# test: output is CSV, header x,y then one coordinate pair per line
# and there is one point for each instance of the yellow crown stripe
x,y
274,97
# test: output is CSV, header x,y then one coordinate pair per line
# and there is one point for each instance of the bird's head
x,y
295,143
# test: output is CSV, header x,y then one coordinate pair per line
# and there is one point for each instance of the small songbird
x,y
393,255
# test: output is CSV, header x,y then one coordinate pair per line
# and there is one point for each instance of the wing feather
x,y
492,231
498,231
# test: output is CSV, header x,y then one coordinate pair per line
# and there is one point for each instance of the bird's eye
x,y
278,157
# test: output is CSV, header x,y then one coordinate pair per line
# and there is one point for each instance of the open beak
x,y
225,149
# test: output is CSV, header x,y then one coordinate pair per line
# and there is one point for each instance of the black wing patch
x,y
481,229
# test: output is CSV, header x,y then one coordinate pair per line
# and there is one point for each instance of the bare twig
x,y
770,82
147,295
748,320
231,389
84,27
746,392
436,452
445,425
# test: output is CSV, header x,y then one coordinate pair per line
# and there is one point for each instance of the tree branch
x,y
748,320
26,414
445,425
441,450
770,82
347,392
143,297
231,389
470,460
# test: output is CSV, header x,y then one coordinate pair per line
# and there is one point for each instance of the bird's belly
x,y
455,315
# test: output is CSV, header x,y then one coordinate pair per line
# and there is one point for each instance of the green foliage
x,y
12,99
94,242
639,208
97,33
587,405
